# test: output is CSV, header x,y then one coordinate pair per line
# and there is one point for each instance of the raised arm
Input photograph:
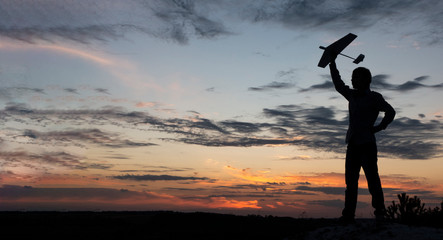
x,y
340,86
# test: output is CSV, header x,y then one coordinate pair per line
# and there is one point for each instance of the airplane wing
x,y
325,59
336,47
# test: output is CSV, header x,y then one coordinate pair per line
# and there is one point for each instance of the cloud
x,y
12,192
71,90
337,203
149,177
326,190
184,17
157,169
411,139
278,85
27,197
306,126
80,136
9,93
19,160
272,86
407,138
361,191
180,20
238,141
379,82
351,15
105,20
288,73
422,78
116,116
241,127
327,85
146,104
211,89
102,90
318,125
262,187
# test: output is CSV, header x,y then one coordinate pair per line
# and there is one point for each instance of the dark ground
x,y
152,225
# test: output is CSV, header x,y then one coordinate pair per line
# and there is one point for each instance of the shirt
x,y
364,107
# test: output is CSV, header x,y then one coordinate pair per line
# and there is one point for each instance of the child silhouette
x,y
364,107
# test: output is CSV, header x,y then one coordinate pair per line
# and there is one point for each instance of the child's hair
x,y
363,78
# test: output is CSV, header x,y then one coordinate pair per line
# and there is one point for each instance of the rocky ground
x,y
365,229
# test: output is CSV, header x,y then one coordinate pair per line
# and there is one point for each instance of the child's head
x,y
361,78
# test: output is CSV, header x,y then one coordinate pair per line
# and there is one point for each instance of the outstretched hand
x,y
333,55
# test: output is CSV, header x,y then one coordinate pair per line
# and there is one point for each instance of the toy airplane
x,y
337,47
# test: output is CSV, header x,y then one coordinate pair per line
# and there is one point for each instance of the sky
x,y
214,105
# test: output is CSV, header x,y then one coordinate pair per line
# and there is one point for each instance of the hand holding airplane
x,y
335,49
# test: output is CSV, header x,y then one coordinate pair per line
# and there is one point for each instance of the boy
x,y
364,107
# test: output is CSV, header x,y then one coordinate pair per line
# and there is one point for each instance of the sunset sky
x,y
211,105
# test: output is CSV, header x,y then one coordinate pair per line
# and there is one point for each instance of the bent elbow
x,y
392,113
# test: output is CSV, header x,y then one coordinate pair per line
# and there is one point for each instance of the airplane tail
x,y
359,59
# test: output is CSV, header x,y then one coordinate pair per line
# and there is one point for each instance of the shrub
x,y
413,212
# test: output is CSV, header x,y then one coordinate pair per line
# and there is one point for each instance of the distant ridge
x,y
154,225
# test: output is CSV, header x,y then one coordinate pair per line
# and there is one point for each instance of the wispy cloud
x,y
20,197
312,127
102,90
337,203
18,192
10,93
380,82
272,86
105,20
41,162
351,15
149,177
248,184
71,90
326,85
180,20
82,136
362,191
157,169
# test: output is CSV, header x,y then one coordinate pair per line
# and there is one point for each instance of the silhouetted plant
x,y
412,211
